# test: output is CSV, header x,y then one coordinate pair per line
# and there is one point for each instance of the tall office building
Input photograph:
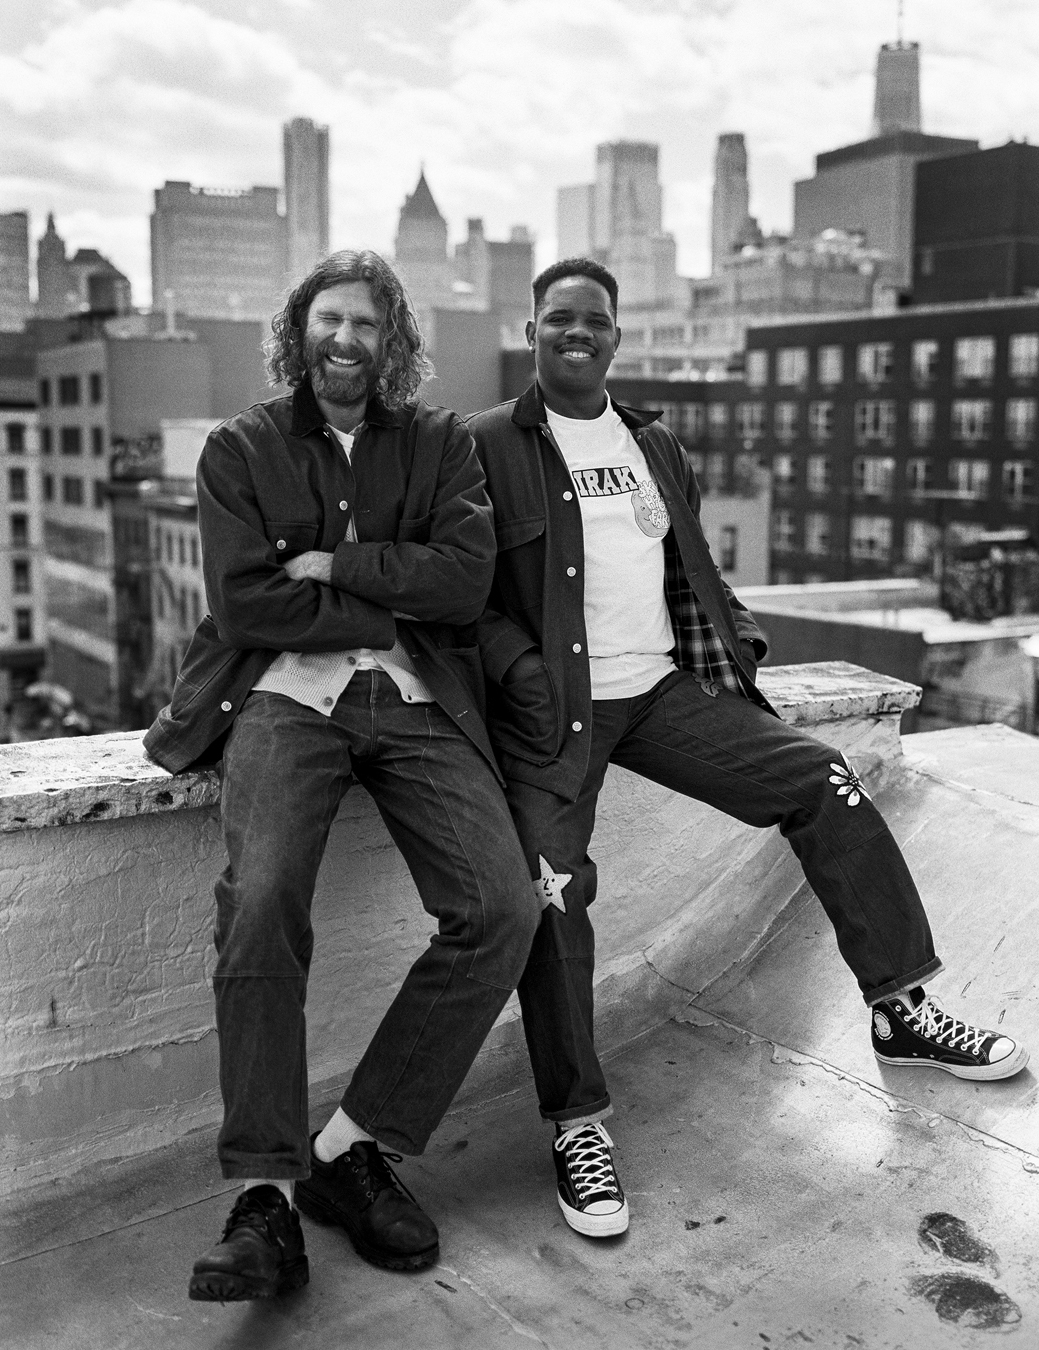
x,y
896,101
421,251
15,305
732,225
220,251
867,188
53,285
618,219
306,194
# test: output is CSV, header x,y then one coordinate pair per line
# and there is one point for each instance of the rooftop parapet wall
x,y
107,1047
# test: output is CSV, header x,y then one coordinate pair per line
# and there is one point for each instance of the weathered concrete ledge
x,y
107,865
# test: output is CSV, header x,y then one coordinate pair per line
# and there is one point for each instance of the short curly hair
x,y
574,267
403,362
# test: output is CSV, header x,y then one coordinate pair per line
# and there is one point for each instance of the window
x,y
71,441
750,421
196,609
100,493
875,421
72,491
169,546
715,473
745,471
831,365
97,389
757,369
669,333
974,358
971,419
68,390
873,475
16,438
729,537
1023,356
181,555
45,393
920,540
23,625
782,531
717,420
871,538
784,471
875,362
820,421
696,462
1018,481
46,440
21,580
921,421
19,531
924,360
918,475
969,477
691,423
817,533
182,607
17,485
792,365
47,486
97,440
1020,420
818,476
784,421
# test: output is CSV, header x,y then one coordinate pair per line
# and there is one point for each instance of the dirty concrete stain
x,y
951,1237
967,1301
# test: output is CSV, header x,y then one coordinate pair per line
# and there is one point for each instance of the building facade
x,y
15,304
305,147
22,636
732,225
221,252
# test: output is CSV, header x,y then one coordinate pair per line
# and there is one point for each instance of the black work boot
x,y
260,1254
360,1192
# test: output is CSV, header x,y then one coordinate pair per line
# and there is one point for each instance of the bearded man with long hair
x,y
348,548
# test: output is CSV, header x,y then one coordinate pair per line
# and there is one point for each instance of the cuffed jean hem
x,y
580,1115
389,1137
904,983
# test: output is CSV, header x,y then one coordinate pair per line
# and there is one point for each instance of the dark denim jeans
x,y
286,769
724,750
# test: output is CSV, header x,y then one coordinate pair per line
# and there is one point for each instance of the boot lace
x,y
932,1021
588,1159
375,1173
250,1211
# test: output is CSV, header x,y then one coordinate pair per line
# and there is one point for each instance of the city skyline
x,y
502,100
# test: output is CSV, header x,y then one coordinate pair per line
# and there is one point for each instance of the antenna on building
x,y
901,15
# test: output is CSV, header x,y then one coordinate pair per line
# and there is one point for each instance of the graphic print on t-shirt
x,y
650,512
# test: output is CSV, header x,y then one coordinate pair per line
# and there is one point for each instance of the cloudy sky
x,y
503,100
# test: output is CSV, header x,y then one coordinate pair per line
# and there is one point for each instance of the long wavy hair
x,y
403,363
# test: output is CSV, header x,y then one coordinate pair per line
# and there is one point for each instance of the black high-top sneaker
x,y
588,1190
361,1193
914,1028
260,1254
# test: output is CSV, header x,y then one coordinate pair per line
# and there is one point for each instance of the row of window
x,y
177,546
973,359
874,476
70,440
178,606
870,538
70,390
970,419
73,490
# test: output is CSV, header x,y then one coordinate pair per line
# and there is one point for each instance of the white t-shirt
x,y
624,519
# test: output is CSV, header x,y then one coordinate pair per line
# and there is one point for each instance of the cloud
x,y
504,100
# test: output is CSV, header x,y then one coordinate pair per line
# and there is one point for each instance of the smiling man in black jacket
x,y
348,549
611,638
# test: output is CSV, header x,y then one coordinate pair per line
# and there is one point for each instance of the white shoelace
x,y
935,1023
589,1163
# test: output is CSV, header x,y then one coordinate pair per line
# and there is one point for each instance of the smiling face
x,y
575,337
342,343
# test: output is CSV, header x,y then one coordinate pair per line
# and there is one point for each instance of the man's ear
x,y
529,332
616,341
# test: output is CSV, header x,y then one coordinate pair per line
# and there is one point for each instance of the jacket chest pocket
x,y
521,561
289,537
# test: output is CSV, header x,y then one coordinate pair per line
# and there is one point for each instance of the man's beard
x,y
339,386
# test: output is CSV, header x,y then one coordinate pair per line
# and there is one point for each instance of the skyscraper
x,y
220,251
54,289
14,270
421,251
306,194
732,225
896,102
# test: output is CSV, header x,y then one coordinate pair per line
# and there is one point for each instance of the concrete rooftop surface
x,y
785,1190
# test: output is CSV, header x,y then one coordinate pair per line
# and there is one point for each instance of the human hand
x,y
310,566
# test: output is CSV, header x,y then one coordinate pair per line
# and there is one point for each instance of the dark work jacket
x,y
541,730
274,482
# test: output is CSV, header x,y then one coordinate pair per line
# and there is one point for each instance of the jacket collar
x,y
308,417
530,411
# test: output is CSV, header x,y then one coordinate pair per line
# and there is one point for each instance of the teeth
x,y
341,361
578,355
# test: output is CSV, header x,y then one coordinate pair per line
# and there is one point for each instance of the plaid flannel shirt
x,y
698,648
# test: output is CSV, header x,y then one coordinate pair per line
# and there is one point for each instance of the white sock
x,y
337,1136
284,1186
